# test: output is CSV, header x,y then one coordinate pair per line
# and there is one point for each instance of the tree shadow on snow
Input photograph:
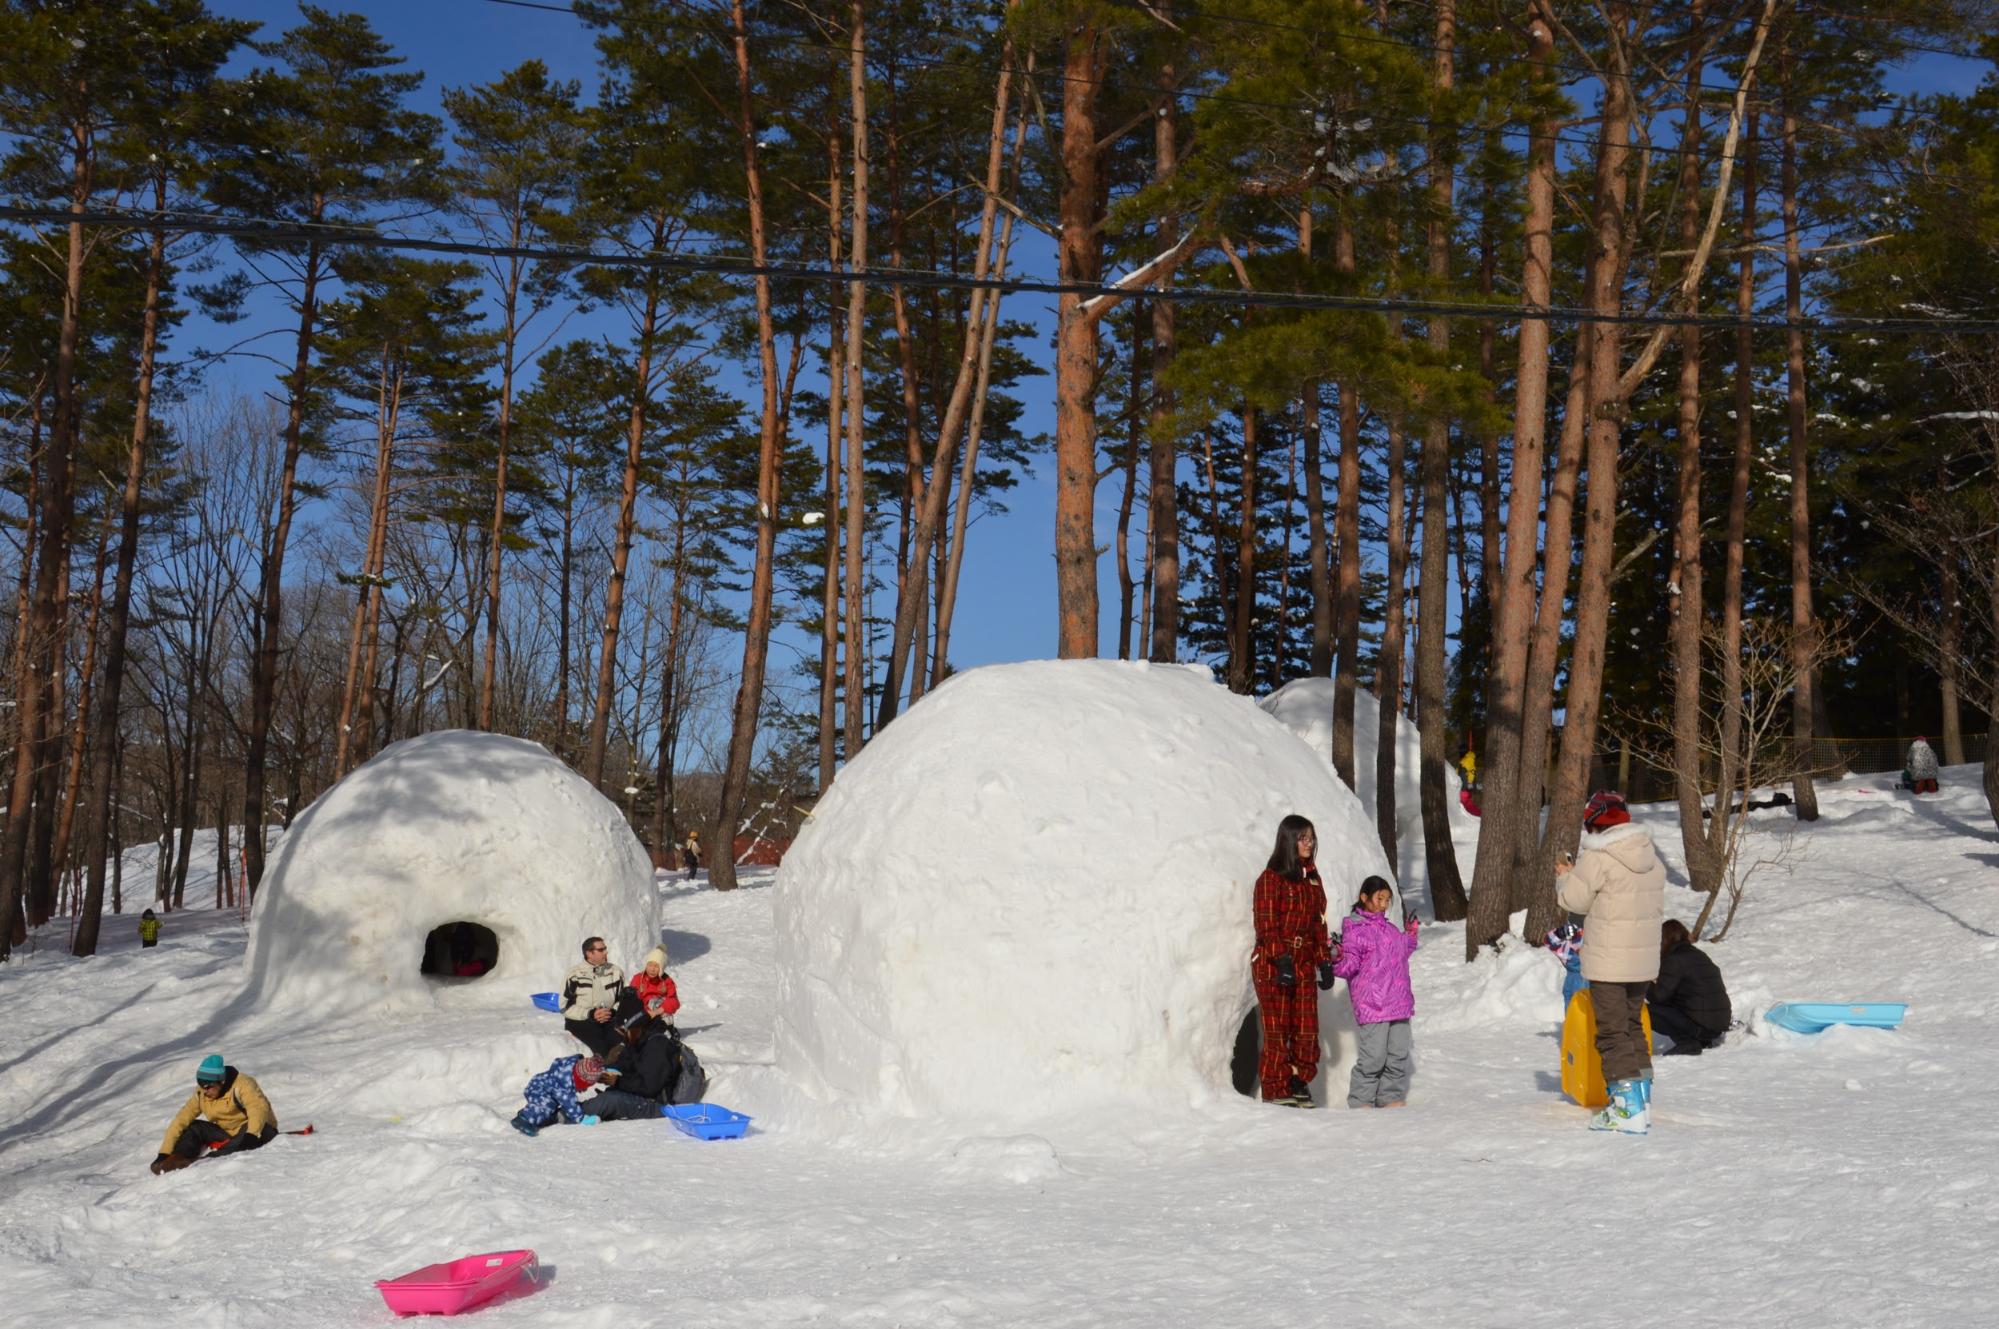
x,y
1548,1082
1989,860
1932,813
70,1031
1932,905
113,1083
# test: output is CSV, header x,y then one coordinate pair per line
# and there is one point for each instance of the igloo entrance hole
x,y
1248,1050
460,949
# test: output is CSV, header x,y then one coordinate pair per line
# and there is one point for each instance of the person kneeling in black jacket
x,y
652,1067
1689,1001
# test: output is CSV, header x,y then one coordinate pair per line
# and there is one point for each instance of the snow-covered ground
x,y
1847,1179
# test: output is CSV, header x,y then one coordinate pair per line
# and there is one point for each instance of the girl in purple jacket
x,y
1372,955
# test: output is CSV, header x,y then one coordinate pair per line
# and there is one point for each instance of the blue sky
x,y
1007,598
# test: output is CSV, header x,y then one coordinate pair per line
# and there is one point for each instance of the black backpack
x,y
690,1082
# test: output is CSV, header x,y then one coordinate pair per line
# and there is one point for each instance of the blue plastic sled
x,y
1815,1017
705,1121
547,1001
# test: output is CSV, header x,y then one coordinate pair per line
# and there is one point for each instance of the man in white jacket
x,y
1619,883
589,995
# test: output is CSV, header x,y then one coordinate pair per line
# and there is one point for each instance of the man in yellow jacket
x,y
226,1114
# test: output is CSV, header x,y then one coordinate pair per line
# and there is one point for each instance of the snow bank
x,y
1033,891
1305,707
449,827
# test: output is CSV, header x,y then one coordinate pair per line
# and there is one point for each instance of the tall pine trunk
x,y
857,261
1510,810
1242,622
1163,507
1804,626
1388,676
1081,257
1686,603
1447,892
56,493
1584,698
829,600
621,546
770,441
1346,538
496,532
97,818
270,626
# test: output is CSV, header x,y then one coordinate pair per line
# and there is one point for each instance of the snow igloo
x,y
1032,892
431,843
1305,707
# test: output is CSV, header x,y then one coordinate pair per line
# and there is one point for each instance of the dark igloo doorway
x,y
460,950
1248,1050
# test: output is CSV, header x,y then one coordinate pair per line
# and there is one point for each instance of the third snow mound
x,y
433,832
1032,892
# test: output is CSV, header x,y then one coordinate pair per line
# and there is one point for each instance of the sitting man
x,y
654,1067
228,1113
1689,1003
589,995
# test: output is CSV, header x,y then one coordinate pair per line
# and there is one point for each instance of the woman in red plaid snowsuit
x,y
1291,946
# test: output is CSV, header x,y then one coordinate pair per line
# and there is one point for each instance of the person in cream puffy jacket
x,y
1619,884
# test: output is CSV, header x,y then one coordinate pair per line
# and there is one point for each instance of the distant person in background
x,y
1373,957
149,929
589,995
1689,1001
227,1114
690,853
1619,885
1920,774
1289,911
1468,764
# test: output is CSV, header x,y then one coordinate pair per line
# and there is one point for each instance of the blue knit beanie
x,y
210,1071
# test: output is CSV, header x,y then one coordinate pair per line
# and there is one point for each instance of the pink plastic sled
x,y
456,1285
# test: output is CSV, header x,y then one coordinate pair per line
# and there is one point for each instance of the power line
x,y
1467,134
277,234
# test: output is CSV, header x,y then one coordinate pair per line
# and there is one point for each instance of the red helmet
x,y
1605,808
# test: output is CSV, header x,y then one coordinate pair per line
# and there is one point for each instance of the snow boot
x,y
524,1126
1301,1094
1626,1113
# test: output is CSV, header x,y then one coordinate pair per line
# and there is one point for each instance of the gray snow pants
x,y
1381,1076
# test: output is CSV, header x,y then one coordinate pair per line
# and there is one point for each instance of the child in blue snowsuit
x,y
552,1094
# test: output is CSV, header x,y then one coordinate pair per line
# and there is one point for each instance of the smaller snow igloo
x,y
1305,707
446,829
1032,892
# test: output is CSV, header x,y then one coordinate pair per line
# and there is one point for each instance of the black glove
x,y
237,1143
1287,972
1325,975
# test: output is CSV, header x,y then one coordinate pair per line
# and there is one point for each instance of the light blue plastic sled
x,y
1815,1017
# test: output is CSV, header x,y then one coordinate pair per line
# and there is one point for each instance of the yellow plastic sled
x,y
1582,1068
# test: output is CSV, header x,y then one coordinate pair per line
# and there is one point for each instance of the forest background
x,y
491,363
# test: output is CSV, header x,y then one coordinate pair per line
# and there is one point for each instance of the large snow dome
x,y
448,828
1033,891
1305,707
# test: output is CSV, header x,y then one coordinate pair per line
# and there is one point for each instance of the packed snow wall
x,y
1032,891
454,827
